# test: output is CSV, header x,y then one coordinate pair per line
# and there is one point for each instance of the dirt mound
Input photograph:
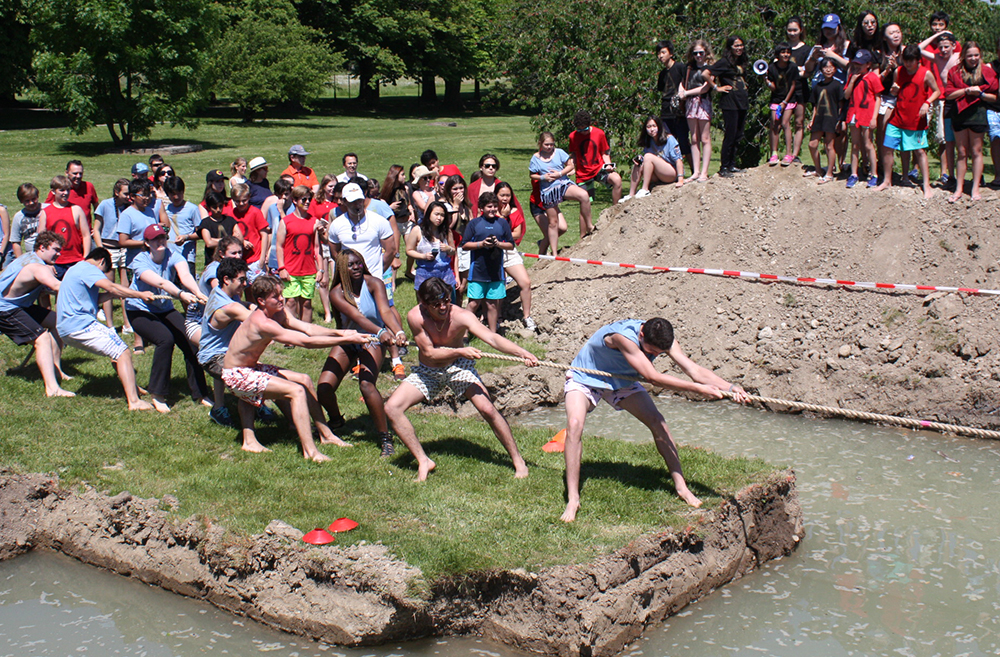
x,y
929,355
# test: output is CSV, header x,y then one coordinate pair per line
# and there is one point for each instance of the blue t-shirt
x,y
134,223
215,341
486,264
540,166
273,219
669,151
7,279
595,355
205,281
166,270
109,212
76,305
184,220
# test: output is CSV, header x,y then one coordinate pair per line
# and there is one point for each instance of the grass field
x,y
471,514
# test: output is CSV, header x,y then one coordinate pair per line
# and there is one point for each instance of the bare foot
x,y
884,186
319,457
251,445
64,376
521,471
333,440
689,497
977,197
929,194
140,406
424,468
955,197
142,391
160,405
702,178
59,392
569,515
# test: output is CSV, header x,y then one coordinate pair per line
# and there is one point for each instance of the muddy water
x,y
902,556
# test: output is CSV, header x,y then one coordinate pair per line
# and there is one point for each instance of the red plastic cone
x,y
342,525
319,537
557,444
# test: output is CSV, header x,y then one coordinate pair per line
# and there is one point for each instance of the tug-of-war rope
x,y
793,405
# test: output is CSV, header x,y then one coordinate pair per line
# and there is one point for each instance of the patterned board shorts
x,y
458,376
249,383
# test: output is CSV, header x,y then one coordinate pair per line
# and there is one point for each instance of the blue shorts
x,y
492,290
993,120
904,140
949,134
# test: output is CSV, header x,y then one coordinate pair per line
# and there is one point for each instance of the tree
x,y
269,57
126,63
15,56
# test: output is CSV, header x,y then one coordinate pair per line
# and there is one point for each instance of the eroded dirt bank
x,y
934,356
362,595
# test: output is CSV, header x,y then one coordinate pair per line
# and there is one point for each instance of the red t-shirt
x,y
251,223
61,222
861,107
912,94
83,196
516,219
320,210
300,258
588,149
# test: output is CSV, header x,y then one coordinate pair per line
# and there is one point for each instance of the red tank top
x,y
60,221
300,260
912,94
251,223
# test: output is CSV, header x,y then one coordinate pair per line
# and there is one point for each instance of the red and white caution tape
x,y
771,277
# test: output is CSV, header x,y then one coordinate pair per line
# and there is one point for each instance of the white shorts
x,y
98,339
512,258
464,260
595,395
458,376
117,256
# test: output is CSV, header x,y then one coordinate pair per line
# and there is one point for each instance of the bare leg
x,y
695,149
45,350
887,164
962,141
473,305
520,275
634,178
774,133
921,156
552,214
123,277
126,374
481,400
995,156
577,407
492,313
800,114
247,413
976,143
295,395
306,310
705,127
574,193
324,297
326,436
642,407
336,366
407,395
814,150
786,124
371,363
292,306
616,187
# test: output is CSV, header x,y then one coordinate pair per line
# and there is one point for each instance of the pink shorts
x,y
249,383
595,395
788,108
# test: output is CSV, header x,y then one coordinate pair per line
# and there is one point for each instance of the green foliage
x,y
269,58
553,61
15,55
125,63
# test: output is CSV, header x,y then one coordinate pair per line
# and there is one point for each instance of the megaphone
x,y
760,67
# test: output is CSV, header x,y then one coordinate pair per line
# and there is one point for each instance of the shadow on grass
x,y
461,448
95,148
638,476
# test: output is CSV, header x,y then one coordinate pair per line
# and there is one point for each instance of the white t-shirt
x,y
365,238
344,178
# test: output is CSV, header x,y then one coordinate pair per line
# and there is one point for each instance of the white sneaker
x,y
627,197
530,324
642,193
101,317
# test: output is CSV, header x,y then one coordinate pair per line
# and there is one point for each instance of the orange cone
x,y
557,444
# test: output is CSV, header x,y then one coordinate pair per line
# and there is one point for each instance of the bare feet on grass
x,y
333,440
569,515
424,468
59,392
140,405
160,404
686,495
251,445
317,457
521,471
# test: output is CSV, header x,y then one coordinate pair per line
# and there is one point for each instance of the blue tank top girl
x,y
366,304
215,341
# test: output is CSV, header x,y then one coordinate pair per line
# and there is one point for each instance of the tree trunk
x,y
428,88
478,95
368,90
453,91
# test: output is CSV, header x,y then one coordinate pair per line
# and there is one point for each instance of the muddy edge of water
x,y
361,595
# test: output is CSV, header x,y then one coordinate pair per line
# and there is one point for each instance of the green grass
x,y
471,514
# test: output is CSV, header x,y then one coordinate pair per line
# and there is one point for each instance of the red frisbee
x,y
342,525
557,444
319,537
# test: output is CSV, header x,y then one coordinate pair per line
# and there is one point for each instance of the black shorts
x,y
214,365
24,325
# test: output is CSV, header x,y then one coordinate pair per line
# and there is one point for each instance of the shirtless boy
x,y
23,320
628,348
253,381
438,328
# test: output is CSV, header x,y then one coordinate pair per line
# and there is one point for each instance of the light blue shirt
x,y
184,220
108,211
134,223
539,166
166,270
596,355
7,280
76,305
215,341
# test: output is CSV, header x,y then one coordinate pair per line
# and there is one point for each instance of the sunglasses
x,y
491,165
698,53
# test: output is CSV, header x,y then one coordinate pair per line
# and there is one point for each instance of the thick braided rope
x,y
794,405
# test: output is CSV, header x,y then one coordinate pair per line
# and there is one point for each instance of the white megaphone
x,y
760,67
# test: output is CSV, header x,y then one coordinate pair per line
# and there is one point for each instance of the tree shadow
x,y
106,147
460,448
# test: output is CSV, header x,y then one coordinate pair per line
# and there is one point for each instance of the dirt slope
x,y
929,355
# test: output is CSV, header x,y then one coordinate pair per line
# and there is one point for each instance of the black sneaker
x,y
736,170
388,448
726,173
222,417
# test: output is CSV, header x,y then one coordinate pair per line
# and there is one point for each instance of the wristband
x,y
380,331
282,269
400,333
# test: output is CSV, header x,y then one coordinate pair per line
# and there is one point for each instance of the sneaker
x,y
127,330
266,415
642,193
388,448
399,372
773,160
852,180
725,173
355,371
787,160
914,175
627,197
736,170
796,160
530,324
222,417
872,181
101,317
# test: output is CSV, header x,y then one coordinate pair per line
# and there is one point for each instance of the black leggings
x,y
163,331
734,120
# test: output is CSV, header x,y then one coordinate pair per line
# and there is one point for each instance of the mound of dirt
x,y
929,355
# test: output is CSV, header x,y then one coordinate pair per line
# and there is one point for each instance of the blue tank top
x,y
596,355
7,280
273,217
366,304
215,341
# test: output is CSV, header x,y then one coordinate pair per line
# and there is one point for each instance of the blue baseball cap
x,y
831,20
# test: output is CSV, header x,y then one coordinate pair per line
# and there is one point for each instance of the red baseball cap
x,y
152,232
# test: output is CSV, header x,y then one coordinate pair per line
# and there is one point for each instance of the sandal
x,y
824,179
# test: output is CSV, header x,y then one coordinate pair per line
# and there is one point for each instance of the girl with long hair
x,y
551,167
660,160
734,100
432,247
695,91
969,84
